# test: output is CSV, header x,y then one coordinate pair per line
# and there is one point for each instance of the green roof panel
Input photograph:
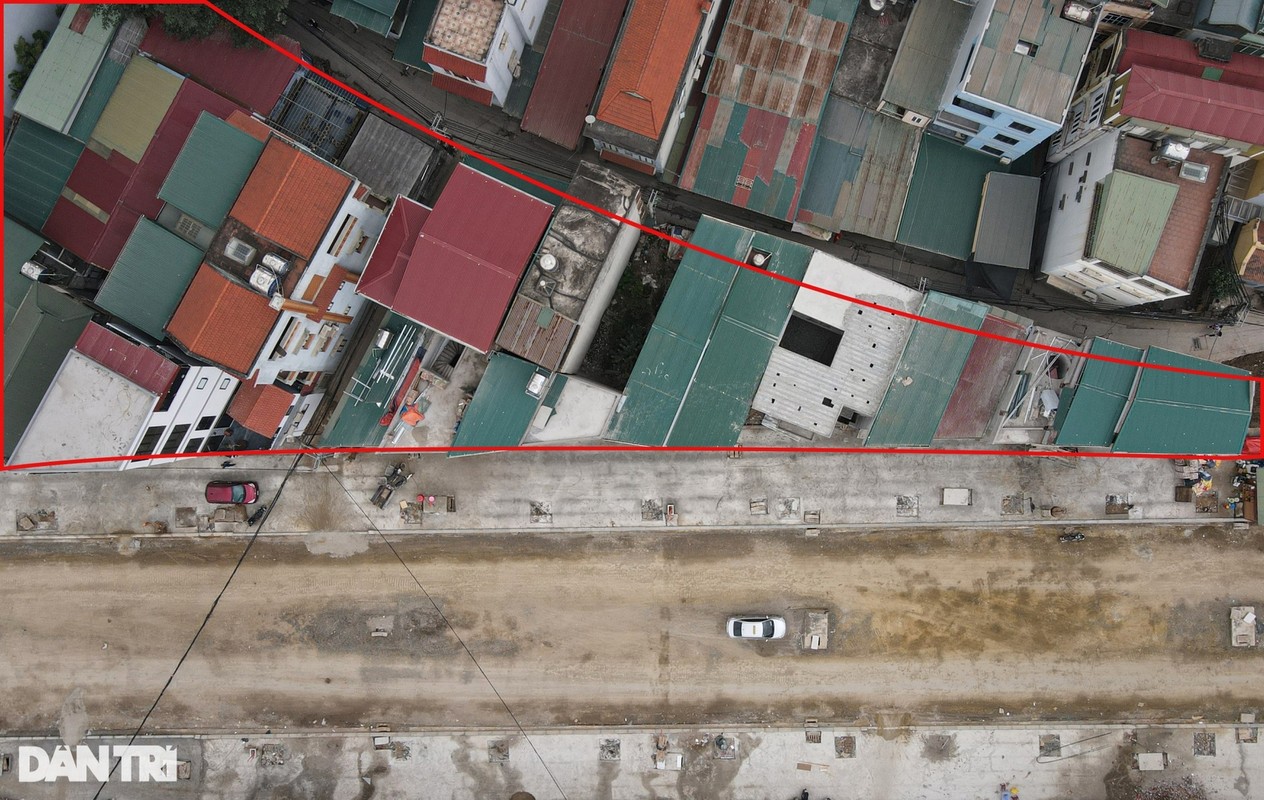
x,y
1181,414
927,373
212,167
719,398
37,163
502,410
923,65
942,207
64,72
1089,416
20,243
1131,213
412,37
366,13
43,329
149,278
98,97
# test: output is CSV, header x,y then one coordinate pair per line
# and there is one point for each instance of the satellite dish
x,y
548,262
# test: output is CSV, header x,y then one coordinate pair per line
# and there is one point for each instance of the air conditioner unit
x,y
1089,296
1215,49
1169,150
1193,171
36,272
275,263
915,119
263,280
1077,12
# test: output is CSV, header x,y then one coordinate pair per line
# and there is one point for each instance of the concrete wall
x,y
202,392
1068,225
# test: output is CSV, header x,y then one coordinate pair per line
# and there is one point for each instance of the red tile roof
x,y
1183,101
253,76
649,63
125,191
260,408
222,322
332,283
571,71
1146,49
291,197
459,271
243,121
140,365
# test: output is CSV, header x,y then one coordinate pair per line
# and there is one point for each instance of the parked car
x,y
756,627
232,492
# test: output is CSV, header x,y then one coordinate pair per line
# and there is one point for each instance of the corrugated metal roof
x,y
37,163
501,410
1241,14
706,352
1170,54
291,197
860,171
1219,109
536,332
921,71
137,108
122,191
412,37
1039,84
572,68
36,340
927,374
1006,220
648,65
149,278
94,102
1182,414
64,72
446,271
388,160
142,366
1088,415
942,207
375,15
1130,217
222,322
20,243
986,373
252,76
212,167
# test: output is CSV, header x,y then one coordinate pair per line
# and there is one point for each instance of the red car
x,y
232,492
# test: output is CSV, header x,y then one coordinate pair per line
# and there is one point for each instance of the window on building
x,y
992,151
1003,139
344,231
1022,128
224,383
1117,96
342,344
239,251
149,442
307,340
504,41
193,446
1118,20
1249,48
174,440
1025,48
972,107
204,424
201,384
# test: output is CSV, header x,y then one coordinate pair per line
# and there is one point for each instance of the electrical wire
x,y
473,659
205,621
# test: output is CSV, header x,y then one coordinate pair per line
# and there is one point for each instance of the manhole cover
x,y
498,752
1014,504
651,510
1117,504
609,750
844,746
542,512
788,508
1204,743
1050,745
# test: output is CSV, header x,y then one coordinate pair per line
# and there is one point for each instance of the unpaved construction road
x,y
608,627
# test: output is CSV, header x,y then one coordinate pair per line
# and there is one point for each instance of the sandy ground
x,y
1131,624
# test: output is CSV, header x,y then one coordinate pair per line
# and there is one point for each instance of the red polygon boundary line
x,y
1259,382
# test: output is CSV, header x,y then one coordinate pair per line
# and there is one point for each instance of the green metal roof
x,y
1131,214
44,328
710,343
923,64
927,374
212,167
1087,417
501,410
374,15
514,181
944,197
64,72
20,244
149,278
99,94
1181,414
356,420
37,163
412,37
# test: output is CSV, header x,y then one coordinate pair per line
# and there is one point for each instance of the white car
x,y
756,627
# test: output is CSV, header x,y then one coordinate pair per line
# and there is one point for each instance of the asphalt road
x,y
572,628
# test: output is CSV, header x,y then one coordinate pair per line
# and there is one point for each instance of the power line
x,y
205,621
473,659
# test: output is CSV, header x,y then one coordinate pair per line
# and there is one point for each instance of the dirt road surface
x,y
608,628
